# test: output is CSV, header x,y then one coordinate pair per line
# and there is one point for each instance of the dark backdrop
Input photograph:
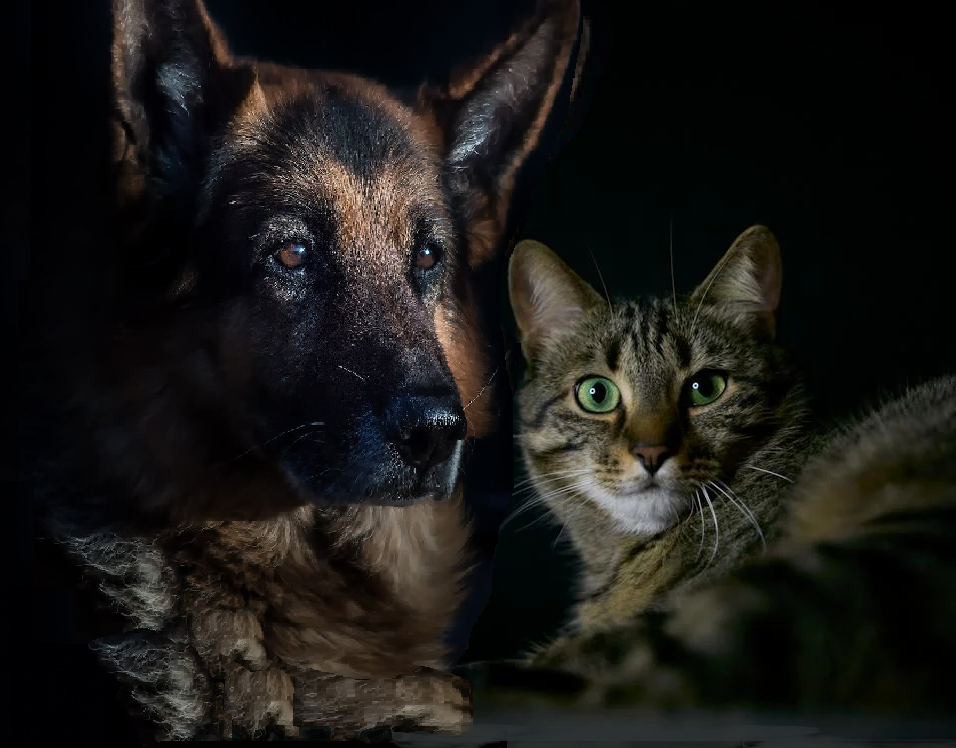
x,y
833,130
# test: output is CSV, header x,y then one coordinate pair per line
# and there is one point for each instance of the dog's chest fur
x,y
223,619
284,592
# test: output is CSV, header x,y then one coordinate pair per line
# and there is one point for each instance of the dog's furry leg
x,y
256,692
426,700
257,700
167,679
178,692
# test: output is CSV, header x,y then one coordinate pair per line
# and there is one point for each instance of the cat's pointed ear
x,y
546,295
493,112
745,284
174,83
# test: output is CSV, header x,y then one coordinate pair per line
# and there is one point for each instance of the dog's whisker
x,y
306,435
254,447
482,390
345,368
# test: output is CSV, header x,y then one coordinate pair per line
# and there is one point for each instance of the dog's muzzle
x,y
426,429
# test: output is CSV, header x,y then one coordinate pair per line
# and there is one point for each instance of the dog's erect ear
x,y
174,84
494,111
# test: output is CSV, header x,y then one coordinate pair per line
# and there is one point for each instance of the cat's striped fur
x,y
851,611
717,499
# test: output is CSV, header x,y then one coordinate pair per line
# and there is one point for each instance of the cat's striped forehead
x,y
644,330
652,340
650,348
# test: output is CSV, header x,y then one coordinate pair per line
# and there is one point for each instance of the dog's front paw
x,y
425,700
433,701
259,701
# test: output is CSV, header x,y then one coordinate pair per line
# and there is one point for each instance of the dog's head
x,y
317,235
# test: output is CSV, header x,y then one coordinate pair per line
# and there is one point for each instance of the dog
x,y
249,436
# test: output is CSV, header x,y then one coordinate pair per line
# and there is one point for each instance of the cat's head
x,y
636,405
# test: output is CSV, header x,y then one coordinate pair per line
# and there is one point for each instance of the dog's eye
x,y
292,254
427,257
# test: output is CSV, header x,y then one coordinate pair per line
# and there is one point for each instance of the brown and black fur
x,y
718,498
232,449
849,612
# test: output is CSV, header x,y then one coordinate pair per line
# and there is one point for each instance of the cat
x,y
851,607
659,432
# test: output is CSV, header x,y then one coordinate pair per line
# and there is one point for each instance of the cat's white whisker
x,y
700,509
603,284
554,544
543,518
671,249
734,499
554,498
539,499
556,475
526,506
713,514
769,472
716,274
561,492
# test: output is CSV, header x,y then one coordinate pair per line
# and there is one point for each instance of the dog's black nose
x,y
426,427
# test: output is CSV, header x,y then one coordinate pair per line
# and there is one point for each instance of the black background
x,y
834,130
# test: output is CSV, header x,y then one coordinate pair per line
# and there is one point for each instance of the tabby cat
x,y
850,610
659,432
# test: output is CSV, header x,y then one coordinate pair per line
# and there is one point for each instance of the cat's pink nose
x,y
651,457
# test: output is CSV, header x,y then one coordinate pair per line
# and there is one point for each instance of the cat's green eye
x,y
705,388
597,394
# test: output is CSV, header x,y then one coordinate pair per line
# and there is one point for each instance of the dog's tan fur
x,y
244,604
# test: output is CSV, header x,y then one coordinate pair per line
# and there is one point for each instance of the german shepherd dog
x,y
251,443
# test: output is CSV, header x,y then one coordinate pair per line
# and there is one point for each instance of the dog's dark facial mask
x,y
336,211
325,233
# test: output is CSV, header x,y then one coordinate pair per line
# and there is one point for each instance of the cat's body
x,y
716,500
850,610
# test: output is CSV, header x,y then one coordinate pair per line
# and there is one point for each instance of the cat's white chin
x,y
646,512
